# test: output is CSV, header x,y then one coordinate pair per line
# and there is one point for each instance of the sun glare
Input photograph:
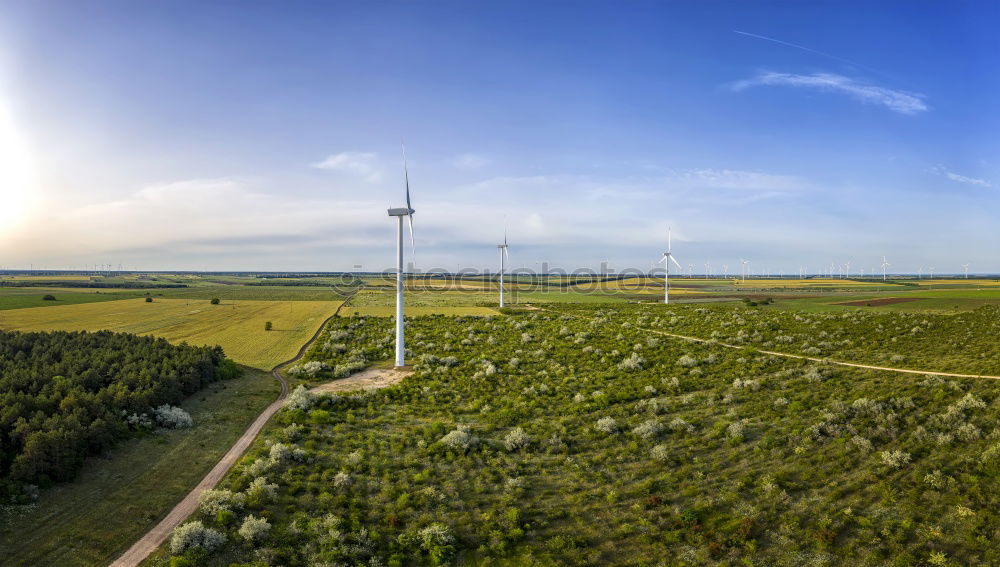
x,y
17,175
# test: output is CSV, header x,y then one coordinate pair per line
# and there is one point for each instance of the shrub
x,y
214,301
48,297
516,439
895,459
300,399
460,438
172,417
260,492
149,299
435,539
660,453
633,362
687,361
194,535
268,326
648,429
607,425
212,502
254,529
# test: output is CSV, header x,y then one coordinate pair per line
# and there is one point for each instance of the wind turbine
x,y
886,265
725,271
920,273
746,264
708,270
847,271
966,266
666,259
503,255
399,213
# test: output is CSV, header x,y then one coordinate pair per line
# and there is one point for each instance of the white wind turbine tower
x,y
920,273
690,270
966,266
725,271
666,259
886,265
745,265
847,271
503,255
399,213
708,270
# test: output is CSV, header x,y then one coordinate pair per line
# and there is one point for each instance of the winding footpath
x,y
155,537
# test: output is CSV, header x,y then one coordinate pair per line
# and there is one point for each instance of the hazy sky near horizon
x,y
265,135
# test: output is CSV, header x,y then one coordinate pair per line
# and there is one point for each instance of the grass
x,y
237,326
20,298
118,498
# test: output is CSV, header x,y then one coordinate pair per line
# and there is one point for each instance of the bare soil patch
x,y
878,302
371,379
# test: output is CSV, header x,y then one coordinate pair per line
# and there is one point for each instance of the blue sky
x,y
240,135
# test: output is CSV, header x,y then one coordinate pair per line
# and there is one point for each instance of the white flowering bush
x,y
254,529
607,425
212,502
194,535
516,439
172,417
648,429
460,438
687,361
300,399
895,459
632,362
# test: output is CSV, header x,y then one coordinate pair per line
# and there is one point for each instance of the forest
x,y
67,395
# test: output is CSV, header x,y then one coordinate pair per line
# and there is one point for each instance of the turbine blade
x,y
406,176
413,248
674,260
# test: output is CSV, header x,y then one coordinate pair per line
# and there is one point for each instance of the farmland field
x,y
237,326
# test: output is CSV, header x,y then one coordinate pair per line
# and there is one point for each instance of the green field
x,y
237,326
117,498
20,298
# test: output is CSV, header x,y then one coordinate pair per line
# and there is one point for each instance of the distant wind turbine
x,y
966,266
884,266
725,271
399,213
708,269
666,259
503,256
746,265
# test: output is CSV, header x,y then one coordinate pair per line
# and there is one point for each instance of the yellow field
x,y
415,310
237,326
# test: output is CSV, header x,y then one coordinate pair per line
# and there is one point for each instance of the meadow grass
x,y
19,298
118,497
237,326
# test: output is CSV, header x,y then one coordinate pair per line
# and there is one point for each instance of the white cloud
x,y
898,101
470,161
940,170
362,164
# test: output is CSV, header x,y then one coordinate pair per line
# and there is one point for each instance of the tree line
x,y
67,395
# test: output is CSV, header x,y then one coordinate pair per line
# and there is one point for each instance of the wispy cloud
x,y
897,101
362,164
470,161
941,170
